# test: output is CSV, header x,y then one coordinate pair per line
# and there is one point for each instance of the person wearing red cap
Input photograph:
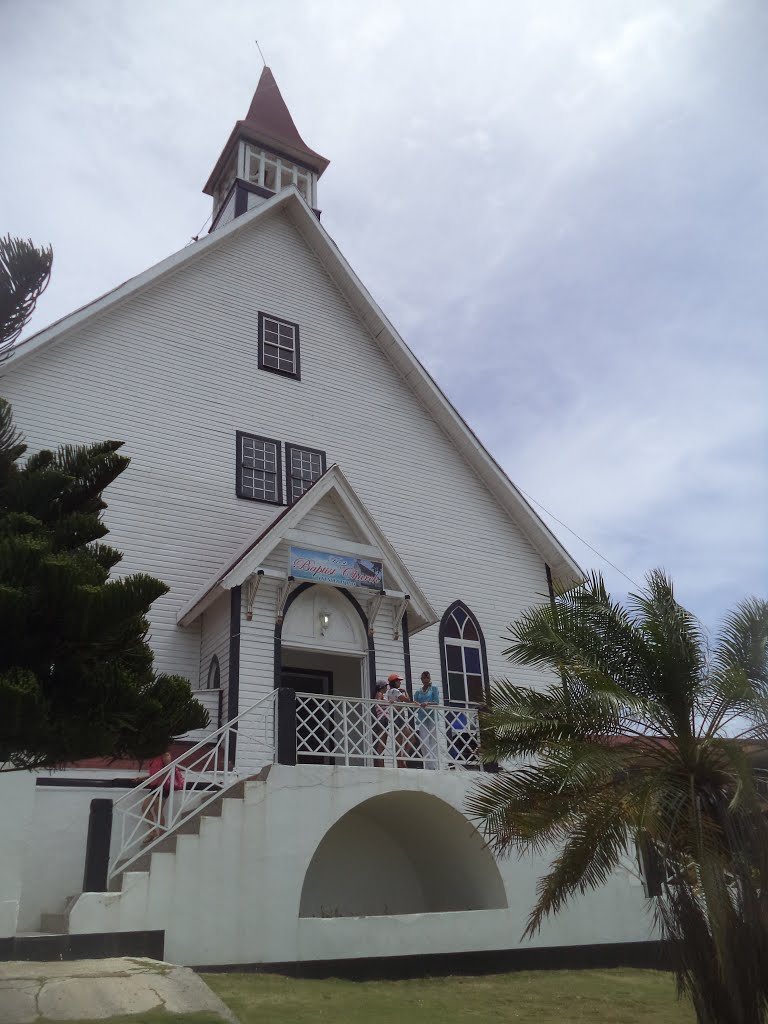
x,y
402,718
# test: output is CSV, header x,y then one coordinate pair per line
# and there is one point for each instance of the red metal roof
x,y
269,123
269,115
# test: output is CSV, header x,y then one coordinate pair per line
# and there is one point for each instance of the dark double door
x,y
314,719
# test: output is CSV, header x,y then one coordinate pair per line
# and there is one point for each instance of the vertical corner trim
x,y
278,652
550,585
286,725
407,655
233,690
241,200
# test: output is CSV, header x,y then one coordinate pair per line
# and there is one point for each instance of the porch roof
x,y
248,561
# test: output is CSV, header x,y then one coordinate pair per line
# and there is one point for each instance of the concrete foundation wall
x,y
248,910
17,796
54,854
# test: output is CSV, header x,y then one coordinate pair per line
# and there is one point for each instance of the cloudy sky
x,y
561,204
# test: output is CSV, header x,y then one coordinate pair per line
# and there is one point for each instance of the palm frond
x,y
597,842
521,719
742,644
642,741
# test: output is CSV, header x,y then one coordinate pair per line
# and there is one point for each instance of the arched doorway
x,y
325,651
324,644
401,853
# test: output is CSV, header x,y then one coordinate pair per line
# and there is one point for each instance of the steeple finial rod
x,y
260,53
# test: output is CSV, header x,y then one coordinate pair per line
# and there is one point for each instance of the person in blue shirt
x,y
427,697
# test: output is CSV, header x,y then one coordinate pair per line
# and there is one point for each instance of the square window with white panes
x,y
304,467
279,346
259,468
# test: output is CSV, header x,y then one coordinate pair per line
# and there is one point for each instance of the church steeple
x,y
264,154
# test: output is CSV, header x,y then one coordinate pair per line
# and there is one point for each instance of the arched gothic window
x,y
214,675
462,656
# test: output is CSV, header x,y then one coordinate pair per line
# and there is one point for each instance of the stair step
x,y
54,923
192,826
37,935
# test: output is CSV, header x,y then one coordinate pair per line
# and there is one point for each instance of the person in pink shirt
x,y
160,789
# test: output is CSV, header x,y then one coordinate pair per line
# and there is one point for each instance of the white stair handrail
x,y
206,774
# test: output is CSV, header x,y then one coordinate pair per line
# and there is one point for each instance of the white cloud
x,y
559,204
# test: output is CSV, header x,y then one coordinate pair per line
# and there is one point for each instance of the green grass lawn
x,y
150,1017
533,997
543,997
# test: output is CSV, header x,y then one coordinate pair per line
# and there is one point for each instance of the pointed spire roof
x,y
269,123
269,116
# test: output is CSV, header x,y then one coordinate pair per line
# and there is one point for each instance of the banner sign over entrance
x,y
339,570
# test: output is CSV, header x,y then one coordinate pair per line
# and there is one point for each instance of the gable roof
x,y
268,123
287,526
564,569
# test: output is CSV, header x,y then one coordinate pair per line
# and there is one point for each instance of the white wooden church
x,y
313,544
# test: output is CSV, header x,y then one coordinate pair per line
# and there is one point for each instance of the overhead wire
x,y
579,538
530,497
195,238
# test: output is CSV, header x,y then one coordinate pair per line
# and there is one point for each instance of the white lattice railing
x,y
165,800
357,732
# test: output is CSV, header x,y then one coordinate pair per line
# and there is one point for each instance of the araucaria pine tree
x,y
76,671
25,270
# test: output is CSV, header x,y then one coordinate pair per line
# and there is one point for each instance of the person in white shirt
x,y
402,719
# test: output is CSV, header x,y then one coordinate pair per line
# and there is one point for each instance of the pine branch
x,y
25,271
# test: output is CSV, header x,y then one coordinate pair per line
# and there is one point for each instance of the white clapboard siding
x,y
227,214
257,678
173,372
326,519
211,701
278,559
390,656
214,640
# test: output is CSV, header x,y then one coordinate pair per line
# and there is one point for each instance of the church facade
x,y
324,518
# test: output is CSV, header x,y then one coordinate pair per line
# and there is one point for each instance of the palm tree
x,y
647,740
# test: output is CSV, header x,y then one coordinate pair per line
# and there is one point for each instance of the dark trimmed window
x,y
259,468
214,675
462,657
304,467
279,346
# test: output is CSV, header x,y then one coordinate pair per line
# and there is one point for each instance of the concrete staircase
x,y
57,924
190,827
138,875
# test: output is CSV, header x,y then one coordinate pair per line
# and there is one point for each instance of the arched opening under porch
x,y
401,853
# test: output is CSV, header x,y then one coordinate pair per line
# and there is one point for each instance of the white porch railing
x,y
165,800
350,731
357,732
